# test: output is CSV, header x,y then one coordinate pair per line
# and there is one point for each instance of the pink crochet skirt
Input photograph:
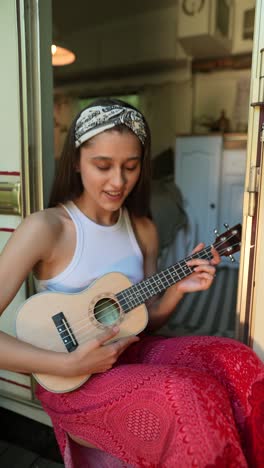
x,y
169,402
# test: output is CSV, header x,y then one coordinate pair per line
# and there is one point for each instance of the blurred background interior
x,y
186,65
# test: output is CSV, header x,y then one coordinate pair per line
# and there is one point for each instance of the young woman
x,y
151,401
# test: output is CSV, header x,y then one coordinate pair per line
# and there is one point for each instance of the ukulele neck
x,y
139,293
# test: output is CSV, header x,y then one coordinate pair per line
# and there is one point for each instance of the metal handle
x,y
10,198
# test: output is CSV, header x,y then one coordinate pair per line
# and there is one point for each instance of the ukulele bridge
x,y
65,332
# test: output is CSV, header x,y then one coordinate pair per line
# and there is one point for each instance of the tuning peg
x,y
216,233
232,258
226,225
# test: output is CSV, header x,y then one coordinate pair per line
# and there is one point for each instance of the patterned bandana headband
x,y
97,119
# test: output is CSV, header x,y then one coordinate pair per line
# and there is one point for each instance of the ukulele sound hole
x,y
106,311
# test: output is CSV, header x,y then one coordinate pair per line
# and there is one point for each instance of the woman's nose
x,y
118,179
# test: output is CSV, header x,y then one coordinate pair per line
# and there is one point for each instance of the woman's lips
x,y
114,195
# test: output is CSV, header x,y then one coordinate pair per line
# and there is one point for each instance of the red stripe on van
x,y
11,173
15,383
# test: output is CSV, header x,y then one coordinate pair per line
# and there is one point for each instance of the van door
x,y
26,157
251,290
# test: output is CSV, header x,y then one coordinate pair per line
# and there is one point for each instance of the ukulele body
x,y
47,319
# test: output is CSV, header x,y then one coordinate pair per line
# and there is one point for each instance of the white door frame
x,y
251,287
27,157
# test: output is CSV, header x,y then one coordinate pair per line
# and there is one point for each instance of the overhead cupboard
x,y
210,28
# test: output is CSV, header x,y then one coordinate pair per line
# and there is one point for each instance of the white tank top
x,y
99,250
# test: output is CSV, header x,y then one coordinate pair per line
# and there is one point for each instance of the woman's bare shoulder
x,y
146,233
31,243
49,218
40,230
45,222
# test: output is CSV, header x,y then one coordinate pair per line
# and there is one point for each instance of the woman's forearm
x,y
161,309
18,356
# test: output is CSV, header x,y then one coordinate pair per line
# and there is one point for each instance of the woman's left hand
x,y
203,274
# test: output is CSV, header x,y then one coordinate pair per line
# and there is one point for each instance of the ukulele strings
x,y
104,312
205,253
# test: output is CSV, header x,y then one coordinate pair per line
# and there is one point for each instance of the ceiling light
x,y
61,56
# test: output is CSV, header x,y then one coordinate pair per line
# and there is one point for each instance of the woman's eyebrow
x,y
108,158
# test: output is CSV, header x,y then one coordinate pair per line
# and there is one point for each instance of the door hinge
x,y
261,76
254,179
262,134
253,188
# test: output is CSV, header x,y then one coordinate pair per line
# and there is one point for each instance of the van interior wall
x,y
178,105
175,100
140,45
221,90
161,103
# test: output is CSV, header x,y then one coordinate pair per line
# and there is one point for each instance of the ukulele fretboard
x,y
139,293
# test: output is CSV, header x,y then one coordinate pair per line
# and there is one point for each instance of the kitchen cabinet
x,y
210,171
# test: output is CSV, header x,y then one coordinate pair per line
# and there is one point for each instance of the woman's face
x,y
110,165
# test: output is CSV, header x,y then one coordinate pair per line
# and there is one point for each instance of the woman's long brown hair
x,y
67,183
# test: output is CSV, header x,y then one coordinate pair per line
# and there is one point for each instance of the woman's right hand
x,y
96,355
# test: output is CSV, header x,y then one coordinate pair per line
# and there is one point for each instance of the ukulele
x,y
62,321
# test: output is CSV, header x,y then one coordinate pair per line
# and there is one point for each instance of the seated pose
x,y
150,401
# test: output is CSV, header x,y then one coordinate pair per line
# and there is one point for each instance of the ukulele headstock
x,y
229,242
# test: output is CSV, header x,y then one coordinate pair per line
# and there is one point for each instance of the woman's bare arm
x,y
31,243
160,308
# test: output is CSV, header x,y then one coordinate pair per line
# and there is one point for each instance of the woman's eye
x,y
103,168
127,168
131,168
